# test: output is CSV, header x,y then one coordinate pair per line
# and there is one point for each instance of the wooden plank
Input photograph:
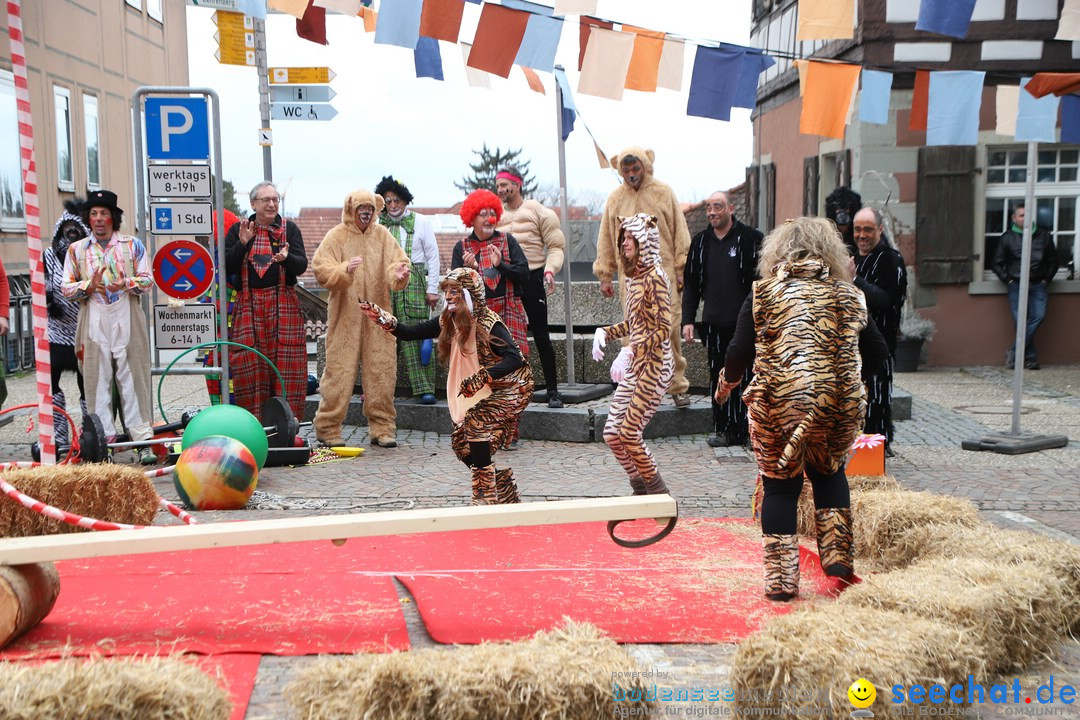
x,y
338,528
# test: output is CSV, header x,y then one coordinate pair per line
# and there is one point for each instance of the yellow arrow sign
x,y
234,20
242,39
232,55
300,76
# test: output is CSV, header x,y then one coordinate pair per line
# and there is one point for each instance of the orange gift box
x,y
867,456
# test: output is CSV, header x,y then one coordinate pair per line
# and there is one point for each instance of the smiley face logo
x,y
862,693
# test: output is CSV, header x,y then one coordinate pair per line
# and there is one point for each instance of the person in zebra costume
x,y
414,304
63,314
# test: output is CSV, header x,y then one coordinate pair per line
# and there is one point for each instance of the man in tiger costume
x,y
640,192
645,365
804,327
488,384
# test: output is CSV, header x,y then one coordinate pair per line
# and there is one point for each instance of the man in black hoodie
x,y
1044,264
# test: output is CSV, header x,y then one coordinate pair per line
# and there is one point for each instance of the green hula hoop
x,y
214,343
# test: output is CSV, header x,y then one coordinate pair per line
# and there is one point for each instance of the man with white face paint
x,y
414,304
640,192
359,260
107,273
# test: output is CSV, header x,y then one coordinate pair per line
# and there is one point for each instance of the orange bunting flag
x,y
1044,83
827,98
920,101
606,61
644,69
669,75
441,19
498,38
533,79
370,17
825,19
295,8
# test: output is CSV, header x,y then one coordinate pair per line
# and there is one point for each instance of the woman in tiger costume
x,y
804,327
645,365
488,384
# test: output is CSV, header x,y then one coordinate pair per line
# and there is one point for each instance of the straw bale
x,y
882,517
802,663
859,483
1018,548
564,674
75,689
116,493
806,524
1013,611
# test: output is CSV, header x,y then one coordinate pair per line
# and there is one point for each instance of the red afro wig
x,y
480,200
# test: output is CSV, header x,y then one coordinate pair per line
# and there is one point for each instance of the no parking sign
x,y
183,269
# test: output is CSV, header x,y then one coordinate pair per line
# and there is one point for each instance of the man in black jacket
x,y
881,275
1044,264
720,268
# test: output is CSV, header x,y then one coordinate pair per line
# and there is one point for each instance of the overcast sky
x,y
424,131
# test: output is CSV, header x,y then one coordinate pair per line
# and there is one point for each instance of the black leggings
x,y
479,454
780,504
534,298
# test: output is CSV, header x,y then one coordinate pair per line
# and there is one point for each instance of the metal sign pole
x,y
264,93
565,222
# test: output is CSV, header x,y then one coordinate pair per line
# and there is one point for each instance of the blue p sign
x,y
177,128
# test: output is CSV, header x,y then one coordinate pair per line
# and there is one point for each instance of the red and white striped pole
x,y
33,233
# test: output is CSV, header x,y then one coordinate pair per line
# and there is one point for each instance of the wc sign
x,y
177,128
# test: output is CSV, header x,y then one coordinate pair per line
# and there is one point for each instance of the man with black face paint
x,y
640,192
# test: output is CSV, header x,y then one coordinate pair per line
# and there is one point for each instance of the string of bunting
x,y
724,76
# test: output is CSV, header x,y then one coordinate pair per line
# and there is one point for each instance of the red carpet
x,y
703,584
217,601
238,672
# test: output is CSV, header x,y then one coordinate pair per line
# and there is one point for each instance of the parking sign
x,y
177,128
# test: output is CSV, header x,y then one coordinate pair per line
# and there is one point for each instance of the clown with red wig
x,y
501,263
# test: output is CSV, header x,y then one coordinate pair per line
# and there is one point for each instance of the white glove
x,y
621,364
598,341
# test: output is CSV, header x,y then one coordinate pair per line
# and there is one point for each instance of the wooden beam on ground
x,y
338,528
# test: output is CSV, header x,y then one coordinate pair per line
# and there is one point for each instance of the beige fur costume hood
x,y
351,340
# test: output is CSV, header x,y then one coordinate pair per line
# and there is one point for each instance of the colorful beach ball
x,y
216,473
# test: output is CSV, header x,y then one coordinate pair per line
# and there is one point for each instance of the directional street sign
x,y
177,128
233,5
232,56
302,94
179,180
309,111
183,269
300,76
235,37
181,218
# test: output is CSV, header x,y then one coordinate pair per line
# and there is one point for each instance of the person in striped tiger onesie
x,y
488,383
806,330
645,365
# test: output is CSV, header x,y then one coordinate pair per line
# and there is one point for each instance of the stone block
x,y
901,404
668,421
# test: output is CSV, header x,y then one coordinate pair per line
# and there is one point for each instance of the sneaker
x,y
146,456
554,401
511,446
717,441
1031,365
427,399
682,400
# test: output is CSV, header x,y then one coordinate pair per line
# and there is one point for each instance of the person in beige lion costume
x,y
359,260
640,192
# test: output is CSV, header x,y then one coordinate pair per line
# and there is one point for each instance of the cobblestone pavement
x,y
1037,491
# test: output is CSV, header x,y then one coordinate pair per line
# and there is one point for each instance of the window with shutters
x,y
1057,190
12,212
